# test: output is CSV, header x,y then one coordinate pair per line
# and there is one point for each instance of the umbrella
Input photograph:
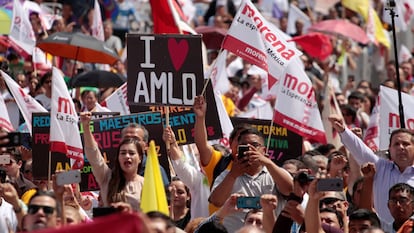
x,y
212,36
341,27
97,78
315,44
79,47
5,20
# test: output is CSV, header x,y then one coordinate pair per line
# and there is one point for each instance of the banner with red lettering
x,y
64,131
27,104
296,107
389,114
5,122
258,41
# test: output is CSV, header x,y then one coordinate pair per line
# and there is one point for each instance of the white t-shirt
x,y
7,216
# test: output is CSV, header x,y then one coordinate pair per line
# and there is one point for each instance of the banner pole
x,y
49,170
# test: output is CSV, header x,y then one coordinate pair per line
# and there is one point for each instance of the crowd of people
x,y
376,194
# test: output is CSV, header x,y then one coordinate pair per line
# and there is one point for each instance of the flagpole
x,y
49,170
390,6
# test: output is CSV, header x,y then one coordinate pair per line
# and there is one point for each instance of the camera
x,y
304,178
240,151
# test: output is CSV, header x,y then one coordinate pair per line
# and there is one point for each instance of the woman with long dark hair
x,y
121,183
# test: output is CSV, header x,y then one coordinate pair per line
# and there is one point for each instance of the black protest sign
x,y
283,144
182,119
107,133
164,69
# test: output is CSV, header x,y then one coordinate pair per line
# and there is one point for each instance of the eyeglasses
x,y
33,209
401,201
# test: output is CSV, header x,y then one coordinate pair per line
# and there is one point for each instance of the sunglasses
x,y
33,209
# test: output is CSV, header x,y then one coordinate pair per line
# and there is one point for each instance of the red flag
x,y
169,18
316,45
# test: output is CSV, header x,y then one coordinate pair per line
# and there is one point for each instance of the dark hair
x,y
356,95
325,148
350,110
252,211
212,226
176,178
51,194
237,129
402,187
250,131
117,182
402,130
337,213
46,76
364,214
159,215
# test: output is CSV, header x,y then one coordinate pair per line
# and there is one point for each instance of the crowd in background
x,y
377,194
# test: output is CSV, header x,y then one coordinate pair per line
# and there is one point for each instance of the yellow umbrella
x,y
5,20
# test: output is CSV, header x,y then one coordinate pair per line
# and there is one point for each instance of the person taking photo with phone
x,y
252,175
121,183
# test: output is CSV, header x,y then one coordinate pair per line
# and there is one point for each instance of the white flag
x,y
64,130
5,122
296,107
117,101
389,116
40,60
97,26
294,15
21,32
404,54
225,122
258,41
27,104
218,74
371,136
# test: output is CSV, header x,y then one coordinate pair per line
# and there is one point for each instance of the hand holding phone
x,y
69,177
248,203
240,151
330,184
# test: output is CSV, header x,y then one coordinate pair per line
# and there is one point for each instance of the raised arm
x,y
361,152
312,215
367,199
200,132
99,168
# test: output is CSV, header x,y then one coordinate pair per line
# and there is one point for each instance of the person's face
x,y
12,168
72,216
407,69
179,196
129,158
257,142
108,31
331,201
341,99
330,219
356,195
41,213
358,226
21,80
33,84
138,134
158,226
402,150
255,219
233,93
400,204
48,84
354,102
90,101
